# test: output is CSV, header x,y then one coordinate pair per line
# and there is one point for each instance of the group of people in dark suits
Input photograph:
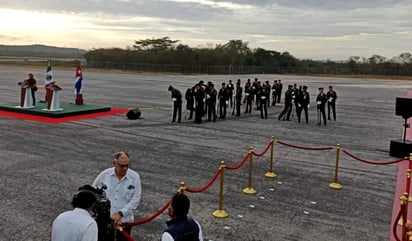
x,y
203,100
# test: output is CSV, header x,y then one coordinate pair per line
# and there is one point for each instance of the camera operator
x,y
123,190
77,224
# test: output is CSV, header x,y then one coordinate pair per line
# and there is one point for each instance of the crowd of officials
x,y
204,100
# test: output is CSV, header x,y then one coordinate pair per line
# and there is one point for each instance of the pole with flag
x,y
78,85
47,81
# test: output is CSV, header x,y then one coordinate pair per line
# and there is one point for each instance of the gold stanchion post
x,y
408,177
335,184
182,187
220,213
270,173
249,189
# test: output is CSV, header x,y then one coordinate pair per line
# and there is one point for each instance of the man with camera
x,y
123,189
77,224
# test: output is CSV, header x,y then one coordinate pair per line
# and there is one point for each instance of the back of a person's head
x,y
181,205
188,237
85,197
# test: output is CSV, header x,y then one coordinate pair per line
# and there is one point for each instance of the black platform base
x,y
399,148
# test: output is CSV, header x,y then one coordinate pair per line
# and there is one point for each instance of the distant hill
x,y
38,50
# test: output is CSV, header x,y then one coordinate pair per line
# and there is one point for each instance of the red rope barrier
x,y
127,236
306,148
240,164
148,219
264,151
374,163
206,186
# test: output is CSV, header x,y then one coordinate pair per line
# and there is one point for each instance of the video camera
x,y
101,213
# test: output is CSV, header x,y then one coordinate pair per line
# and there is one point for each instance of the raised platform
x,y
68,109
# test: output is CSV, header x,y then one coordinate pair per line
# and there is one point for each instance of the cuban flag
x,y
49,74
78,80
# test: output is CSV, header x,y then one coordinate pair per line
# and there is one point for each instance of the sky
x,y
307,29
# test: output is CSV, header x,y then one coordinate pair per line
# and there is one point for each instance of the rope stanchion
x,y
306,148
241,163
270,173
371,162
209,184
335,184
220,213
249,189
125,234
408,178
264,151
404,203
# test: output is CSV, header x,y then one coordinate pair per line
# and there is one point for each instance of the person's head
x,y
170,88
305,88
85,198
321,90
30,75
180,206
223,85
330,87
121,163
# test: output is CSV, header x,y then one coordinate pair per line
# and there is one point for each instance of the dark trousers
x,y
286,111
199,113
331,105
222,109
264,109
189,107
299,112
321,114
33,95
238,102
248,105
177,110
211,112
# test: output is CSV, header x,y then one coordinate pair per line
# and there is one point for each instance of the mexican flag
x,y
49,74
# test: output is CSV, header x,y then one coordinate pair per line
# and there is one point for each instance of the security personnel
x,y
223,98
331,96
199,100
265,90
177,103
274,92
287,110
238,98
303,103
320,103
280,87
230,89
190,100
248,97
211,112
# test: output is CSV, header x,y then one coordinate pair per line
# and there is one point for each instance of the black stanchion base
x,y
400,148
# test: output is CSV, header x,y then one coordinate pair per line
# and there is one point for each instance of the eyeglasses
x,y
122,166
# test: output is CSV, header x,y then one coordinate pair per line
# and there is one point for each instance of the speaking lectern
x,y
53,100
26,100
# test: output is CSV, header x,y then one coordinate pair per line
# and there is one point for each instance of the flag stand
x,y
79,99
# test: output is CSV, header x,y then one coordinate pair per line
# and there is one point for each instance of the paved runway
x,y
42,165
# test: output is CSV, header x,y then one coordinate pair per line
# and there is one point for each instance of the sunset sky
x,y
315,29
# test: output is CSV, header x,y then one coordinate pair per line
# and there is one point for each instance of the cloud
x,y
305,28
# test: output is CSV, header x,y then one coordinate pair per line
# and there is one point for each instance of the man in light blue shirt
x,y
123,190
77,224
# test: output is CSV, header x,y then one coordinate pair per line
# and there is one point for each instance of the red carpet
x,y
49,120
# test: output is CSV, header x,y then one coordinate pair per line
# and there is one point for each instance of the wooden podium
x,y
53,99
26,100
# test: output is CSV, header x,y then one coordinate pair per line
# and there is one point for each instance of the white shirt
x,y
124,194
74,225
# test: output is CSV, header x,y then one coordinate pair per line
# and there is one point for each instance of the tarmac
x,y
43,164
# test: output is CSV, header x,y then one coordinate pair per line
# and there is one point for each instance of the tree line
x,y
235,57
